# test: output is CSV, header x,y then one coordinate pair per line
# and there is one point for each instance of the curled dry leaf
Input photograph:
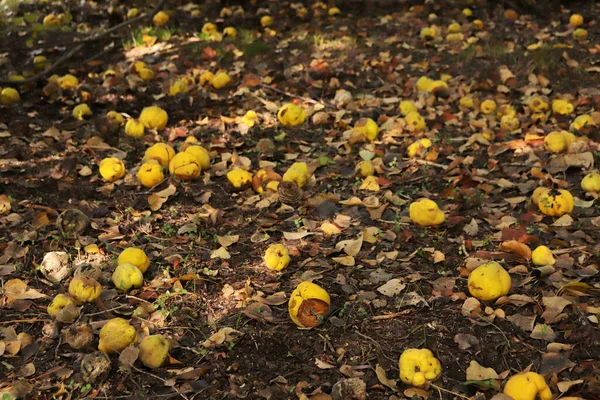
x,y
222,336
520,249
477,372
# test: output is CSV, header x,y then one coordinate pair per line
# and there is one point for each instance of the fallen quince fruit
x,y
542,255
488,106
558,141
51,20
154,117
68,82
418,148
135,128
576,20
206,77
424,84
59,302
146,74
239,178
562,107
291,115
151,173
127,276
161,152
333,11
220,80
179,86
367,127
84,289
489,281
428,33
418,366
407,106
365,168
209,28
581,122
132,13
509,123
11,96
134,256
266,21
154,351
466,101
297,172
161,18
556,203
231,32
201,154
538,193
537,104
184,166
415,120
527,386
112,169
591,182
250,118
426,212
116,117
277,257
308,305
80,111
115,335
370,183
580,34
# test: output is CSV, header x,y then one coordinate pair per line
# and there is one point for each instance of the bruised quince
x,y
556,203
415,121
291,115
527,386
239,178
426,212
308,305
84,289
367,127
418,366
154,351
538,193
562,107
136,257
277,257
116,335
489,281
59,302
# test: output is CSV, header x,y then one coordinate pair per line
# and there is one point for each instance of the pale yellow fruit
x,y
220,80
151,173
591,182
81,111
418,366
239,178
112,169
84,289
134,256
161,18
367,127
528,386
59,302
127,276
184,166
297,172
266,21
291,115
154,351
10,96
116,335
134,128
426,212
161,152
201,155
154,117
542,255
277,257
489,281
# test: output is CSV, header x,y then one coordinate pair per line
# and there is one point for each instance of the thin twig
x,y
306,99
24,321
81,45
162,380
449,391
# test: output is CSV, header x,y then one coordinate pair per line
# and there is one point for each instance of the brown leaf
x,y
129,355
221,336
260,312
477,372
544,332
16,289
520,249
351,247
382,377
465,341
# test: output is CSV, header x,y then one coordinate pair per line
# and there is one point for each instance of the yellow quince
x,y
150,173
367,127
161,152
418,366
418,148
542,255
291,115
161,18
308,305
591,182
426,212
11,96
59,302
488,106
415,121
154,351
201,154
239,178
220,80
562,107
136,257
527,386
112,169
84,289
407,106
135,128
489,281
297,172
185,166
154,117
127,276
116,335
277,257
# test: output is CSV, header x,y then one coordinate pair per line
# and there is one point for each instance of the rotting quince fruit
x,y
127,276
538,193
277,257
161,18
297,172
154,117
201,154
488,106
112,169
135,128
291,115
365,168
179,86
84,289
509,123
542,255
580,34
11,96
426,212
81,111
591,182
576,20
220,80
308,305
266,21
562,107
424,84
537,104
558,141
367,127
418,366
151,173
556,203
239,178
116,335
527,386
418,148
407,106
489,281
161,152
59,302
265,178
582,121
154,351
415,120
136,257
184,166
115,116
68,82
231,32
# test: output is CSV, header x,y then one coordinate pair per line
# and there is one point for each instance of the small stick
x,y
387,316
162,380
